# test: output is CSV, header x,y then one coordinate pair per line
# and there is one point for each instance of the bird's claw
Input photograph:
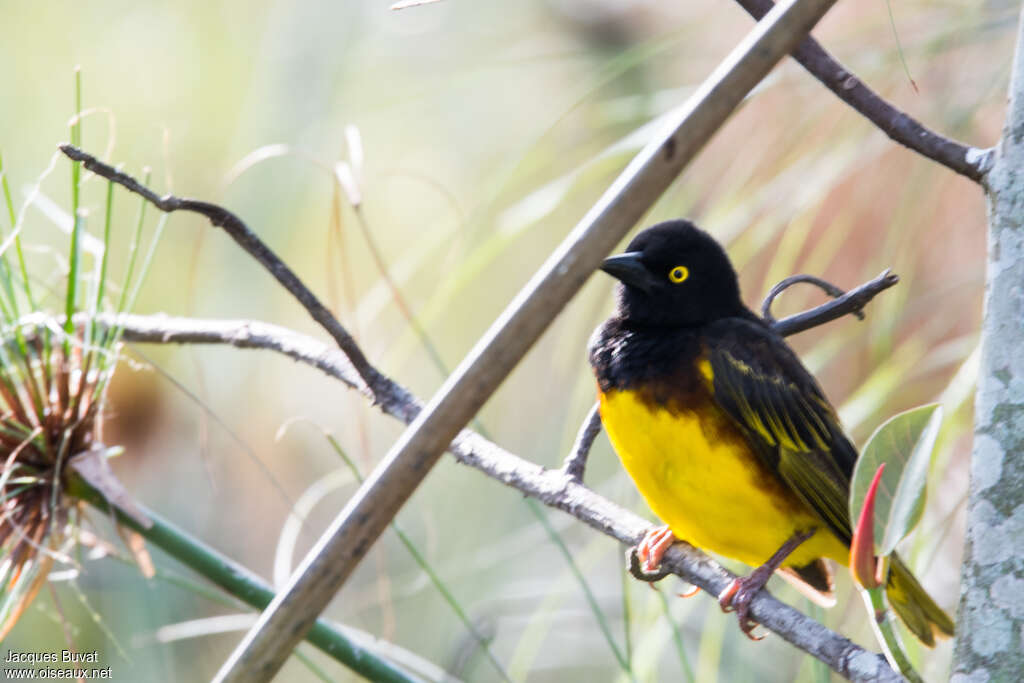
x,y
737,597
653,546
645,559
693,590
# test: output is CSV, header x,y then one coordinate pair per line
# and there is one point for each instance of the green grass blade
x,y
420,332
424,565
133,248
147,262
76,140
243,584
129,293
17,237
104,262
624,663
626,612
71,296
677,637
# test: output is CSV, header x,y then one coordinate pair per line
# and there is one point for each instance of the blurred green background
x,y
486,130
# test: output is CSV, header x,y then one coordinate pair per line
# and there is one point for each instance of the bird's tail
x,y
915,607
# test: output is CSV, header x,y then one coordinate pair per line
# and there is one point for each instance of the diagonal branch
x,y
331,561
968,161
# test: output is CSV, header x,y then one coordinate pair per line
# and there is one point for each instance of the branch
x,y
576,461
988,645
844,303
968,161
552,487
247,239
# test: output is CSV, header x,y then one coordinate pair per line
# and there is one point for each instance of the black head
x,y
674,274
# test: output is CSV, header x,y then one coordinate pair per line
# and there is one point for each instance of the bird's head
x,y
675,275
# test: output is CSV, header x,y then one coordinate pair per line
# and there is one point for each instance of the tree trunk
x,y
990,629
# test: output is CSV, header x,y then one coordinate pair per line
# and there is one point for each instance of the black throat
x,y
625,355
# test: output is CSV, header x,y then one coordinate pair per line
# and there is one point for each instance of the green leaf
x,y
904,443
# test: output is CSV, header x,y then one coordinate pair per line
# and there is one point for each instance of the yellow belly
x,y
701,479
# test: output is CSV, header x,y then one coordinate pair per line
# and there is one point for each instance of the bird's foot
x,y
653,546
738,595
645,559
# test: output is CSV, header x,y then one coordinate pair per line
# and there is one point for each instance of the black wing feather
x,y
761,384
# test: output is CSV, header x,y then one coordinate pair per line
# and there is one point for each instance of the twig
x,y
266,646
552,487
828,287
968,161
576,461
247,239
850,302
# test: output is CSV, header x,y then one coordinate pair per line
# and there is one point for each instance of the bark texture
x,y
990,628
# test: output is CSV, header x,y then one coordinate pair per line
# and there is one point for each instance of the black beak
x,y
629,269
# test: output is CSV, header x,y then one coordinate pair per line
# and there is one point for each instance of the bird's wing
x,y
758,380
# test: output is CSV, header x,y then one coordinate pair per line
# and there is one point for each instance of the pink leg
x,y
741,591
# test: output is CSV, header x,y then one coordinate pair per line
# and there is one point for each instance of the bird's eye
x,y
679,274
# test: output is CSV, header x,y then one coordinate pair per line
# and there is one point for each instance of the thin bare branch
x,y
968,161
576,462
251,243
844,303
825,285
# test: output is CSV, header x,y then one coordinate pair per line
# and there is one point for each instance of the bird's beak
x,y
629,269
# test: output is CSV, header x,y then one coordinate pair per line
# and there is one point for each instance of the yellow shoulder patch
x,y
704,366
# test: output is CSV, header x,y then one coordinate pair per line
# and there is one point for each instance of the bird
x,y
727,436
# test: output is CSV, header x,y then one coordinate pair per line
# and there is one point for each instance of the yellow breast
x,y
699,476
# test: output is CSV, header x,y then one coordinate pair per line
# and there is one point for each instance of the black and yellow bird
x,y
727,436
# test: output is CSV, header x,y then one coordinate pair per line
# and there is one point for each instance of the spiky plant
x,y
50,402
54,373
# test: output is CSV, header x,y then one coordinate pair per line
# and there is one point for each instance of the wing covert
x,y
761,384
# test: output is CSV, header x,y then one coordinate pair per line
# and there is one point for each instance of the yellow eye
x,y
679,274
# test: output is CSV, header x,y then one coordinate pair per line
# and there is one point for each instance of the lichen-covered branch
x,y
989,645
